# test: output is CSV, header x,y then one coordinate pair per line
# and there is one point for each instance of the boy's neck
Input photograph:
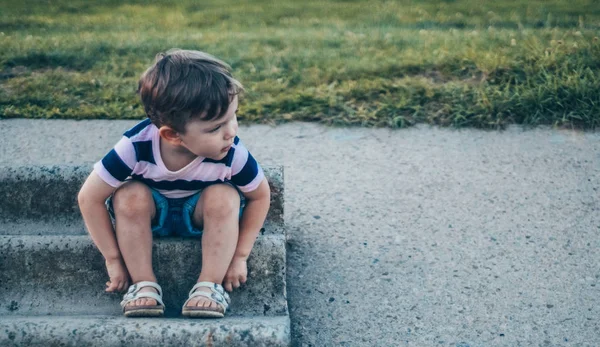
x,y
175,158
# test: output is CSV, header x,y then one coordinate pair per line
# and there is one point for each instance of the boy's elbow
x,y
93,192
82,198
87,200
261,193
266,192
85,197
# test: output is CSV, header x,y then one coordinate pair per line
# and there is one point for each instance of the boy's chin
x,y
218,157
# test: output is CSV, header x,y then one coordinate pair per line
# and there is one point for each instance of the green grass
x,y
377,63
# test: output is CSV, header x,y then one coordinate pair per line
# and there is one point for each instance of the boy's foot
x,y
201,301
206,300
143,299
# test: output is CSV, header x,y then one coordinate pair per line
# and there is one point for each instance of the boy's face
x,y
212,139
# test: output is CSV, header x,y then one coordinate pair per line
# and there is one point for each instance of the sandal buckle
x,y
218,298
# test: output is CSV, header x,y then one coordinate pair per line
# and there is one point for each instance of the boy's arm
x,y
253,218
91,198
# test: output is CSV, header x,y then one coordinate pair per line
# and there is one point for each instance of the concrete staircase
x,y
52,276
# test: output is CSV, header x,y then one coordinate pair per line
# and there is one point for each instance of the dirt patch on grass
x,y
12,72
41,60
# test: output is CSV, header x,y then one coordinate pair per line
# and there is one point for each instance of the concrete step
x,y
42,200
66,275
108,331
52,276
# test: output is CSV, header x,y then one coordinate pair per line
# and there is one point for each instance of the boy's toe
x,y
142,302
202,303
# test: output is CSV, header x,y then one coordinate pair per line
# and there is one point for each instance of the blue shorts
x,y
174,217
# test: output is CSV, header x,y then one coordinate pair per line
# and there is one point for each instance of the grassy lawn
x,y
369,63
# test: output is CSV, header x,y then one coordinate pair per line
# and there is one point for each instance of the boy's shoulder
x,y
143,126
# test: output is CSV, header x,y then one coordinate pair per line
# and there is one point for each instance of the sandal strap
x,y
215,297
129,298
214,287
134,288
217,294
134,293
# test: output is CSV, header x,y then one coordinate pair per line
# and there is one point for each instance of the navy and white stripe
x,y
137,156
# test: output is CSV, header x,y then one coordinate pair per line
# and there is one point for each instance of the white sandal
x,y
147,310
217,294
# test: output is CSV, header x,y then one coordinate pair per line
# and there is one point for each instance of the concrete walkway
x,y
420,237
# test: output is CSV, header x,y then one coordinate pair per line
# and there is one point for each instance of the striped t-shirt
x,y
137,155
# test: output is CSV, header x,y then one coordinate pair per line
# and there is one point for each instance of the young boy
x,y
183,171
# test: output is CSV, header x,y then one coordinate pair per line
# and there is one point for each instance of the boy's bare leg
x,y
218,212
134,210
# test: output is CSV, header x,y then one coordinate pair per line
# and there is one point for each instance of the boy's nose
x,y
230,133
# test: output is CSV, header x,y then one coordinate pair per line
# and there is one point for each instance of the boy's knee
x,y
220,201
132,199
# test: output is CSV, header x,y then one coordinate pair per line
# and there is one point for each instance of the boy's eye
x,y
215,129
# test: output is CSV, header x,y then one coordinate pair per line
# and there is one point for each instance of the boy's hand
x,y
119,277
236,274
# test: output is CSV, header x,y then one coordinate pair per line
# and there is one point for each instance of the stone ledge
x,y
48,194
109,331
66,274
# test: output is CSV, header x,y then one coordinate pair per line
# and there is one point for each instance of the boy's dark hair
x,y
183,85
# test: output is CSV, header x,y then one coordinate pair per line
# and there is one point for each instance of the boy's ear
x,y
169,135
